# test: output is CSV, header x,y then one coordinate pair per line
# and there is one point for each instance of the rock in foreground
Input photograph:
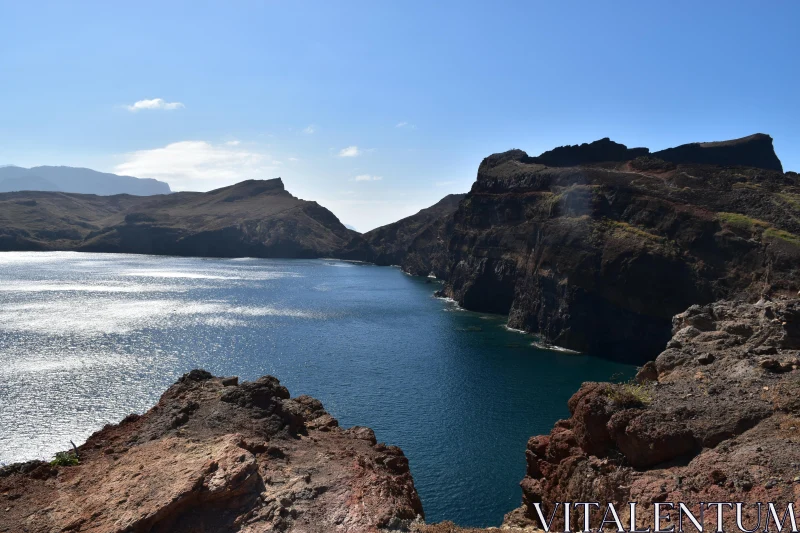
x,y
216,456
716,418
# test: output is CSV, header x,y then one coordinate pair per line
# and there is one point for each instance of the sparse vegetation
x,y
773,233
739,221
624,226
548,203
65,459
630,394
746,185
792,199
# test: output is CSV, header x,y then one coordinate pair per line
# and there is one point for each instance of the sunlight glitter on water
x,y
83,344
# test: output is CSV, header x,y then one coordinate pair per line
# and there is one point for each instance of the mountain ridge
x,y
78,180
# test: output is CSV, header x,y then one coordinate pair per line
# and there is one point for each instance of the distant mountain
x,y
77,180
255,218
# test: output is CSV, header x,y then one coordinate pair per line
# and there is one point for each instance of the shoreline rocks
x,y
212,456
710,420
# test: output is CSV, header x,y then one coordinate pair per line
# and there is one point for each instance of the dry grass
x,y
630,394
624,227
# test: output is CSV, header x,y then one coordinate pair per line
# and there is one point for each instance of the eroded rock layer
x,y
215,456
716,418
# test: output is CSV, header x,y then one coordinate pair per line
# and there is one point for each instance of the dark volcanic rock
x,y
417,243
254,218
595,152
752,151
215,458
599,257
721,429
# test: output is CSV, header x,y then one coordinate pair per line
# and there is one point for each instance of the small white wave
x,y
553,348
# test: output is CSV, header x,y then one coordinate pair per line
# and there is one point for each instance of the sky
x,y
379,109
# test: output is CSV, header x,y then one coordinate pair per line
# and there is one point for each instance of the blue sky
x,y
377,109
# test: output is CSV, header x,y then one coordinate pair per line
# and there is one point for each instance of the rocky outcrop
x,y
214,456
256,218
599,257
715,418
595,152
417,243
751,151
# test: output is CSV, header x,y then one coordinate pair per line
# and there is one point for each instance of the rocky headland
x,y
416,243
215,455
255,218
595,247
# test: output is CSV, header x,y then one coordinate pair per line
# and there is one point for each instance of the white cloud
x,y
405,124
198,165
155,103
367,177
233,143
350,151
310,129
293,159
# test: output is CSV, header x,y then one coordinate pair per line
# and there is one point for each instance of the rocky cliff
x,y
417,243
715,418
598,257
256,218
215,456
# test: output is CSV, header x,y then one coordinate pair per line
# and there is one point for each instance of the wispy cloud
x,y
198,165
367,177
350,151
311,129
155,103
406,125
233,143
293,159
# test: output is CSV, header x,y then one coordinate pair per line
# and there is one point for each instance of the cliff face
x,y
417,243
713,419
599,257
217,456
752,151
253,218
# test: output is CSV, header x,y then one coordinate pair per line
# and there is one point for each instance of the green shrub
x,y
65,459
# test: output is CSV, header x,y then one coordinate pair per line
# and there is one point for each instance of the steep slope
x,y
713,419
76,180
218,456
415,242
599,257
253,218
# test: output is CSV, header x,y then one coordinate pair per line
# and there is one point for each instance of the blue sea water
x,y
87,338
